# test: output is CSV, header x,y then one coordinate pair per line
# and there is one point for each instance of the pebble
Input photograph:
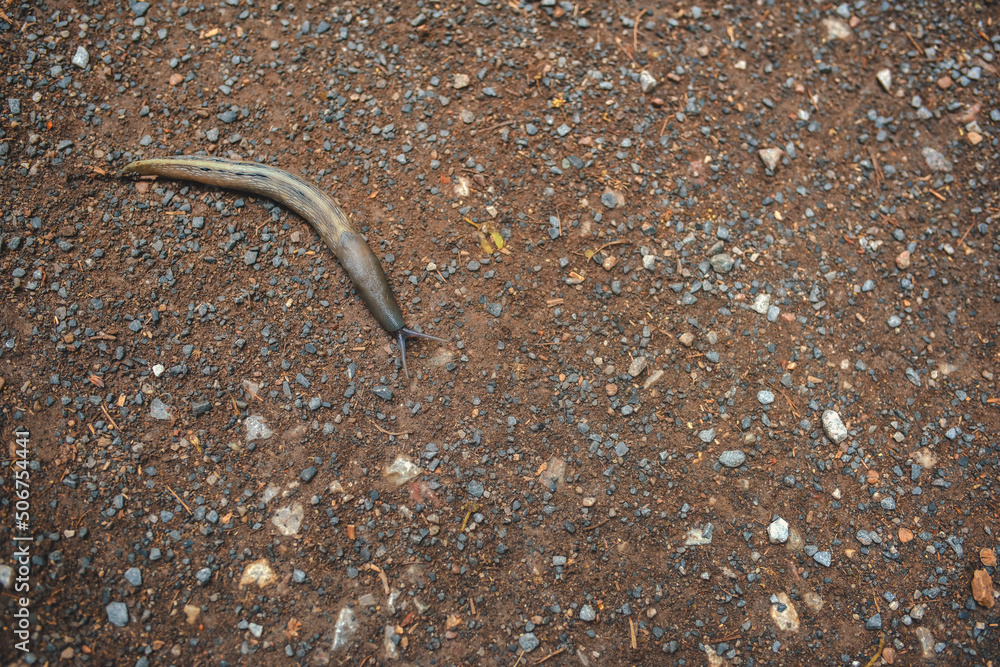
x,y
874,622
256,428
344,629
117,614
765,397
699,536
770,157
258,572
732,458
824,558
461,81
982,588
935,160
884,77
761,303
837,28
192,612
133,576
382,392
81,58
588,614
528,642
637,366
777,531
721,263
834,427
894,321
159,410
288,520
646,81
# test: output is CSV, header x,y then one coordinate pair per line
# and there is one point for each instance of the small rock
x,y
687,339
117,614
588,614
528,642
905,535
884,77
637,366
874,623
258,572
777,531
770,157
256,428
721,263
81,58
159,410
988,557
646,81
401,471
461,81
837,29
926,642
894,321
765,397
653,378
761,303
344,630
288,520
824,558
982,588
699,536
612,199
834,427
783,613
935,160
192,612
732,458
133,576
382,392
903,260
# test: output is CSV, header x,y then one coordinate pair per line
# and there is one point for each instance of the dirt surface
x,y
720,290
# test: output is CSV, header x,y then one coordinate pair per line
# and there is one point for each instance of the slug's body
x,y
316,207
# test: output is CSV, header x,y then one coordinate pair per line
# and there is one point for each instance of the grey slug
x,y
316,207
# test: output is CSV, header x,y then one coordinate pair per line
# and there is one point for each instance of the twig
x,y
881,645
499,125
960,241
937,194
596,526
635,32
520,655
914,42
115,426
550,655
183,504
390,432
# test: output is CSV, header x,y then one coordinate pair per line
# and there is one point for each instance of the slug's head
x,y
404,334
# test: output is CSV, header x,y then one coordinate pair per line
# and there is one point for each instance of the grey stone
x,y
770,157
732,458
777,531
528,642
117,614
834,427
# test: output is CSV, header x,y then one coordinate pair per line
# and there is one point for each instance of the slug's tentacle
x,y
316,207
404,335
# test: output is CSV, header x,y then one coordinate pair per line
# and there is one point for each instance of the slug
x,y
316,207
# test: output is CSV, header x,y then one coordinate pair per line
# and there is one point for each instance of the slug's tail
x,y
404,334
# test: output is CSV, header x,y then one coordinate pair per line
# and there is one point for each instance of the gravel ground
x,y
720,290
